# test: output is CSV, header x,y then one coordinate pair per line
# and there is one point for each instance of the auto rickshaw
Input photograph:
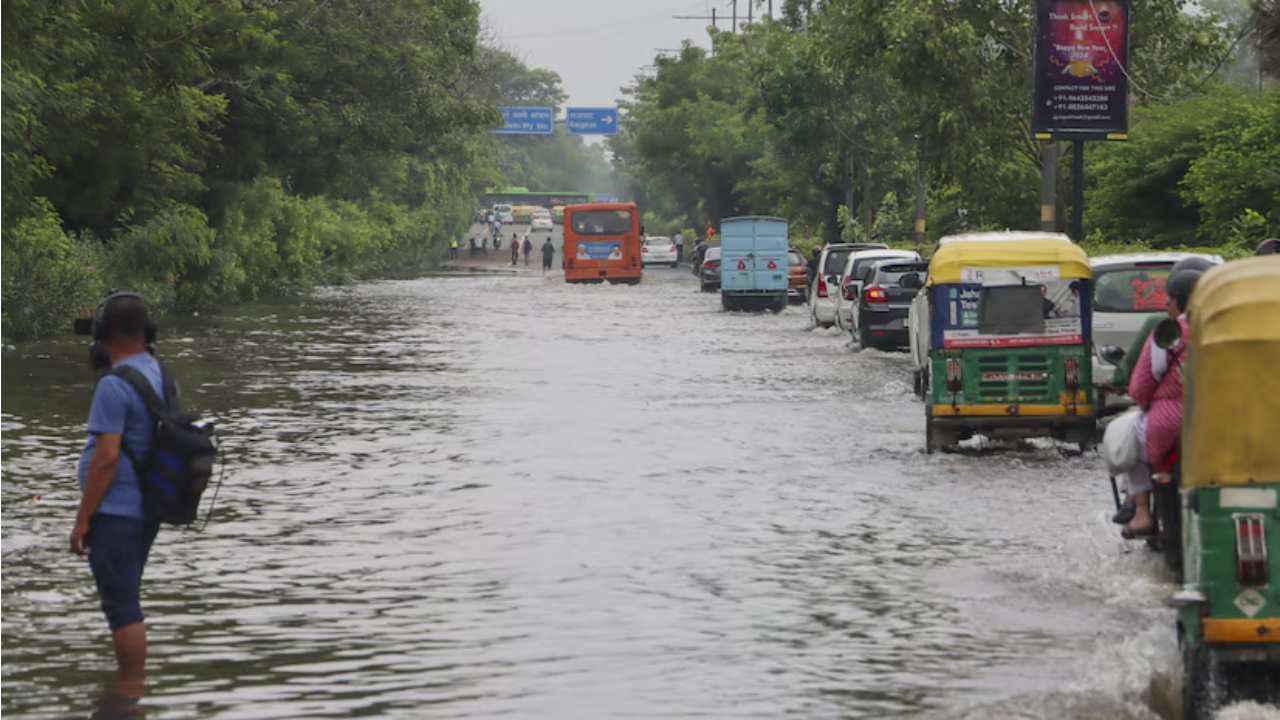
x,y
1229,606
1002,341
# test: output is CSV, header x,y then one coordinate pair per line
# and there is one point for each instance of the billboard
x,y
1082,54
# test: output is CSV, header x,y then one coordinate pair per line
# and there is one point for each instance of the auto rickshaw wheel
x,y
917,383
1199,682
936,438
1169,526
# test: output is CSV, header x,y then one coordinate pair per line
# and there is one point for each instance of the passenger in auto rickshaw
x,y
1156,387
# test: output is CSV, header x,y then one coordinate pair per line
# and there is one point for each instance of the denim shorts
x,y
118,550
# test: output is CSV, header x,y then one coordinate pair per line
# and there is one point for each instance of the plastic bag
x,y
1120,446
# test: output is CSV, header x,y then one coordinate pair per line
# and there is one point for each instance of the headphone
x,y
100,328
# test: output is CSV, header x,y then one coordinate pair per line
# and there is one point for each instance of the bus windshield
x,y
602,222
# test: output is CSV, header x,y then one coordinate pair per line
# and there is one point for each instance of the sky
x,y
597,46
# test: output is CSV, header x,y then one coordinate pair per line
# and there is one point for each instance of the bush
x,y
48,276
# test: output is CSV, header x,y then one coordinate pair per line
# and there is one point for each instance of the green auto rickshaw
x,y
1001,337
1229,606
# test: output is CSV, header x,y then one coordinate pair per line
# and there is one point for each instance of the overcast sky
x,y
597,46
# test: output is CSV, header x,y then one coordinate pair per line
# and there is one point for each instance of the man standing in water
x,y
548,254
679,247
112,525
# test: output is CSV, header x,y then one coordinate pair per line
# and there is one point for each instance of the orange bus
x,y
602,242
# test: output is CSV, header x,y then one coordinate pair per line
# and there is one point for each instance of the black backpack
x,y
175,470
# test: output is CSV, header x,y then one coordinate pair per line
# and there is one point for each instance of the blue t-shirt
x,y
119,409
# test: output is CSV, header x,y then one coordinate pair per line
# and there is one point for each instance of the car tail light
x,y
1251,551
712,264
876,294
644,249
954,371
1071,373
671,249
822,287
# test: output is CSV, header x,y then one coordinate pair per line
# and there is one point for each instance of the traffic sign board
x,y
773,265
526,121
742,264
591,121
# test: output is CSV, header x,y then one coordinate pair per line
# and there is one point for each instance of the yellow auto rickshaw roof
x,y
987,252
1232,378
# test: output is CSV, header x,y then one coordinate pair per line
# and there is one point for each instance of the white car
x,y
541,220
1126,289
855,266
826,282
658,251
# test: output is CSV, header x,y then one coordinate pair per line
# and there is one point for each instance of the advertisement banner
x,y
1082,51
599,250
1059,307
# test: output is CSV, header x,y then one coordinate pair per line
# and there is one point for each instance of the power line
x,y
1134,83
589,28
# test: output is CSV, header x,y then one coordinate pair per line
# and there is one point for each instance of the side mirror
x,y
1111,354
1168,333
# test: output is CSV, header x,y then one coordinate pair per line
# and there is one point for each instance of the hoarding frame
x,y
1047,90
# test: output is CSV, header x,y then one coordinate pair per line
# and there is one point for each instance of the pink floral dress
x,y
1160,395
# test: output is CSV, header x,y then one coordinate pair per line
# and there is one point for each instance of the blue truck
x,y
753,263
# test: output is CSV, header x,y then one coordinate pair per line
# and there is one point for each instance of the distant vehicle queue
x,y
1022,335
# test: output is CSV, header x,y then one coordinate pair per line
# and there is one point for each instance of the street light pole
x,y
920,194
1049,186
1077,192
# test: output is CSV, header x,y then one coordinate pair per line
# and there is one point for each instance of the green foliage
x,y
1201,171
834,105
48,275
206,153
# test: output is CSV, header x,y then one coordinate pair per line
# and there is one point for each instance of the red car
x,y
797,276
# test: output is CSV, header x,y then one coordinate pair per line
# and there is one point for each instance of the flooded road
x,y
479,497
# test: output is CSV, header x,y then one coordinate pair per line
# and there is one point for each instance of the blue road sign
x,y
591,121
526,121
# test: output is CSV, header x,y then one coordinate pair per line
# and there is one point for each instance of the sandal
x,y
1129,533
1125,513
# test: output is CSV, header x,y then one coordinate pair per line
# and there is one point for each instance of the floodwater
x,y
484,497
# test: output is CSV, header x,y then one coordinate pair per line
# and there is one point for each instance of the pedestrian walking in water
x,y
528,248
113,526
679,247
548,254
699,252
515,250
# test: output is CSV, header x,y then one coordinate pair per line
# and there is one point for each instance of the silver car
x,y
826,282
1126,289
